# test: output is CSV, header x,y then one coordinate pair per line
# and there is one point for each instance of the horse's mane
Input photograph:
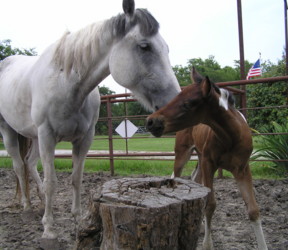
x,y
79,50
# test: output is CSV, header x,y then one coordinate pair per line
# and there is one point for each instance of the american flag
x,y
255,70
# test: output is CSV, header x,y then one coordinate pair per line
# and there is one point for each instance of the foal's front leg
x,y
207,174
183,150
47,145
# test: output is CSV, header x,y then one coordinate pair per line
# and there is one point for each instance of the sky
x,y
191,28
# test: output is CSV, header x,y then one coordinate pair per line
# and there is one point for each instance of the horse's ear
x,y
206,87
128,7
195,76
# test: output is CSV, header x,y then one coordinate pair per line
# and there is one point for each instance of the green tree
x,y
182,74
7,50
207,67
267,95
101,127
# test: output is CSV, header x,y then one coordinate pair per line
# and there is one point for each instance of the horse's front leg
x,y
80,149
47,145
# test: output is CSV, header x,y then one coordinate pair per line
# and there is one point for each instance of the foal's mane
x,y
79,50
231,98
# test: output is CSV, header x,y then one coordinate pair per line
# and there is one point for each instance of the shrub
x,y
274,147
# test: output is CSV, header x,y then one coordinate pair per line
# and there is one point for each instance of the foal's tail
x,y
24,146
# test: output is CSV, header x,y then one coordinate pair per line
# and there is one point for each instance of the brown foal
x,y
221,137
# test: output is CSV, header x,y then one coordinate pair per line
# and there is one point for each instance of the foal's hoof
x,y
48,244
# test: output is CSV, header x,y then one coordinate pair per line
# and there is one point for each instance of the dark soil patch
x,y
231,228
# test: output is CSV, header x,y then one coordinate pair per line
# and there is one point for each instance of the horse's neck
x,y
227,127
83,57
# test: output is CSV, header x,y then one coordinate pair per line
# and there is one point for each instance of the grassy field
x,y
137,143
260,170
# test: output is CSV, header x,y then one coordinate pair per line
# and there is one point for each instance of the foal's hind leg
x,y
244,181
10,139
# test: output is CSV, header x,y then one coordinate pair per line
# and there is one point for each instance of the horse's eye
x,y
144,46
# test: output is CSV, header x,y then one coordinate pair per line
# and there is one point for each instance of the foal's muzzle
x,y
155,126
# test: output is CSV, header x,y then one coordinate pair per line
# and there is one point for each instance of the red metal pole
x,y
286,35
110,135
241,50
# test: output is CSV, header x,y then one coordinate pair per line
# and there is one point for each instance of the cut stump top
x,y
162,191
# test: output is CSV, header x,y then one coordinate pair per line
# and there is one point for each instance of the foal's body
x,y
220,135
219,150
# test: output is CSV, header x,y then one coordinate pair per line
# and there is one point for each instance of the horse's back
x,y
14,72
15,91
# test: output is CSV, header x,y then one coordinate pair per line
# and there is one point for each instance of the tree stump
x,y
144,213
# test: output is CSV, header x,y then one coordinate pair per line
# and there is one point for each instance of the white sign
x,y
126,126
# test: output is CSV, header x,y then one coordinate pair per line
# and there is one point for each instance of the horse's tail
x,y
24,146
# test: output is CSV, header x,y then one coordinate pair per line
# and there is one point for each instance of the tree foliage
x,y
7,50
207,67
268,95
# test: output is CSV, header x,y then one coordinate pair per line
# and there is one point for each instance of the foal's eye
x,y
189,104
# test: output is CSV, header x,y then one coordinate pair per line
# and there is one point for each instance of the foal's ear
x,y
195,76
206,87
128,7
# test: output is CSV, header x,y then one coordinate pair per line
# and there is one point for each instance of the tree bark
x,y
144,213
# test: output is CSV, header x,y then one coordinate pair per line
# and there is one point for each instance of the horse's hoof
x,y
48,244
49,235
28,215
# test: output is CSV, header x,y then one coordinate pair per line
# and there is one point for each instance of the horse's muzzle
x,y
155,126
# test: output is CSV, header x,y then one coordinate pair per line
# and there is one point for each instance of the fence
x,y
126,154
109,100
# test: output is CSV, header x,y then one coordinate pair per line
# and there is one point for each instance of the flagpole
x,y
241,50
241,40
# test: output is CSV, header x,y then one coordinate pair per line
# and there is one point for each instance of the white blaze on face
x,y
223,100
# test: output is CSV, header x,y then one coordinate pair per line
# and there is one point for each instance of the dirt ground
x,y
231,229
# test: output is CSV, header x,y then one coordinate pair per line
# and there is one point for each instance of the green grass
x,y
148,143
260,170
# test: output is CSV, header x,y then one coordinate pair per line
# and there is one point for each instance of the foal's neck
x,y
228,126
